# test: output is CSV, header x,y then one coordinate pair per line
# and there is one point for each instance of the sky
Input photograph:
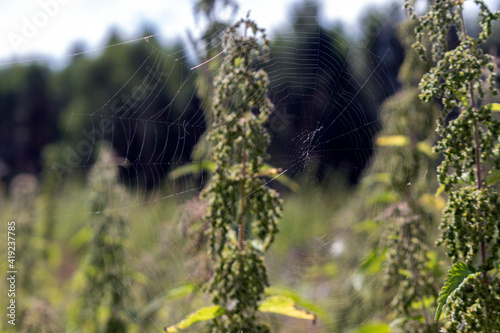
x,y
47,29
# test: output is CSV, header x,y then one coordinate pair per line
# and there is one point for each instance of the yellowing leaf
x,y
285,306
303,303
494,107
202,314
425,148
392,141
432,201
440,190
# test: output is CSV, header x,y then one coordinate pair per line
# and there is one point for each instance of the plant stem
x,y
241,228
477,148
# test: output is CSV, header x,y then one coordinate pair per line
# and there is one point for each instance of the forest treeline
x,y
146,100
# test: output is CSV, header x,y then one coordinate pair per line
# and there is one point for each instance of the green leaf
x,y
81,238
209,166
191,168
173,294
405,272
373,263
440,190
383,197
285,306
494,107
380,177
374,327
303,303
493,177
202,314
426,302
392,141
456,275
272,172
425,148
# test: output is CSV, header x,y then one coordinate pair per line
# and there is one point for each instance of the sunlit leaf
x,y
440,190
382,177
373,327
405,272
173,294
392,141
300,301
383,197
425,148
209,166
432,201
374,261
456,275
427,302
202,314
192,168
81,238
285,306
272,172
494,107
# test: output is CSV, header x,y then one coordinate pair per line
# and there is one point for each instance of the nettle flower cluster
x,y
462,76
242,210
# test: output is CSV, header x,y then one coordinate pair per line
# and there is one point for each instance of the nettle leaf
x,y
440,190
203,314
277,174
494,107
493,176
303,303
173,294
392,141
208,166
285,306
456,275
425,148
191,168
374,327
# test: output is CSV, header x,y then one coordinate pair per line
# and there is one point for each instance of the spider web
x,y
320,129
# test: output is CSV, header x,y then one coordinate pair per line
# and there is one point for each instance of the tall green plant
x,y
408,266
242,210
461,77
106,270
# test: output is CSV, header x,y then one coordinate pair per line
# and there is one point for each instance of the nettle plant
x,y
242,211
237,197
461,78
103,305
411,265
